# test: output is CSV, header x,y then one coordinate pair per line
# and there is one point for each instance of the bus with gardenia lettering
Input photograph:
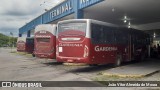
x,y
25,44
45,41
95,42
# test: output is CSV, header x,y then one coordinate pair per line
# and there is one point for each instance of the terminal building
x,y
139,14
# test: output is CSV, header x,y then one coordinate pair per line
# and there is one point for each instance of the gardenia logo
x,y
98,48
71,45
42,36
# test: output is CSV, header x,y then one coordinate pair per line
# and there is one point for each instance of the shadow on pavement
x,y
107,66
52,63
91,68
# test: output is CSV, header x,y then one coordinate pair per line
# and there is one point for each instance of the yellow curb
x,y
129,75
74,64
13,52
124,75
21,53
28,55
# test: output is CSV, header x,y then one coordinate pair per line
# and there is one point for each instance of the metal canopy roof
x,y
142,14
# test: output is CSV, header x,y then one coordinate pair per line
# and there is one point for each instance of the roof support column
x,y
20,35
29,34
79,14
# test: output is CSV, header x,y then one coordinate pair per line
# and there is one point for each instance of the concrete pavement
x,y
138,70
14,67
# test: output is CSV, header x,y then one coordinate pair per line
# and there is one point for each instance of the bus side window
x,y
121,36
125,37
96,33
118,37
102,34
108,35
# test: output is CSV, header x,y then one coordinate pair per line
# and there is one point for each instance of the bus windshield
x,y
71,29
43,40
30,41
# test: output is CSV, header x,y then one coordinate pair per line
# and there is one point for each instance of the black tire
x,y
33,55
118,61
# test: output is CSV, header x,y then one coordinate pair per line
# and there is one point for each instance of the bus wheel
x,y
33,55
118,60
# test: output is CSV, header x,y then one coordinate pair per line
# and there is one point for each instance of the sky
x,y
16,13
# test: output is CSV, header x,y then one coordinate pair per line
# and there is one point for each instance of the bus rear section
x,y
21,44
25,44
45,41
95,42
29,45
72,43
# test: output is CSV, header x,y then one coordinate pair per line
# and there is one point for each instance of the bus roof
x,y
21,39
91,21
47,27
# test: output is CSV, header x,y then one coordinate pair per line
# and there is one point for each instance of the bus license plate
x,y
60,49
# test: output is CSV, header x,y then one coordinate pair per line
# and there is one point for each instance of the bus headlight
x,y
86,51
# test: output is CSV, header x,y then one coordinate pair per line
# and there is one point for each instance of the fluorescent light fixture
x,y
125,21
154,36
129,26
113,9
129,23
125,17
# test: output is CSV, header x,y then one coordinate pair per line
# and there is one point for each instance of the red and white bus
x,y
30,45
95,42
25,44
21,44
45,41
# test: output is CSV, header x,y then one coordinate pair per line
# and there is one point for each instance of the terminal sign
x,y
84,1
60,10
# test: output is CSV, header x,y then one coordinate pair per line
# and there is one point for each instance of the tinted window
x,y
79,27
96,33
30,40
108,35
43,39
102,34
121,36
